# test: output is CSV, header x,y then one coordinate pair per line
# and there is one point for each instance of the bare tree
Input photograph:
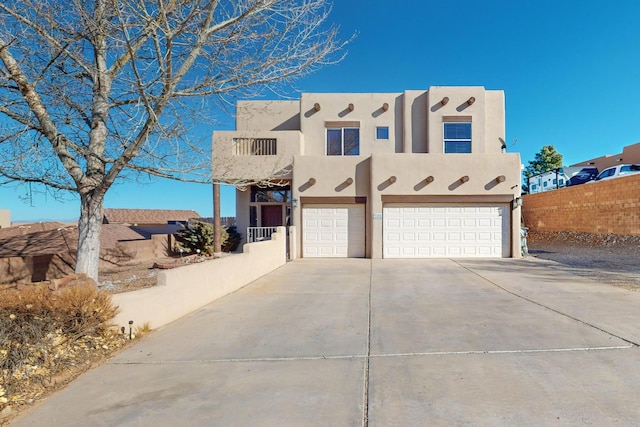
x,y
96,91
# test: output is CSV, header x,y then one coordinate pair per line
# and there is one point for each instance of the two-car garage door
x,y
409,230
436,230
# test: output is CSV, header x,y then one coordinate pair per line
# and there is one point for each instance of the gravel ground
x,y
610,259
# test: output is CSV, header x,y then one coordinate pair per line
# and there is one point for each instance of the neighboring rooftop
x,y
147,216
50,242
60,240
630,154
28,228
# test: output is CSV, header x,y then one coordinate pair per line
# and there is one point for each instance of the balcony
x,y
255,146
245,156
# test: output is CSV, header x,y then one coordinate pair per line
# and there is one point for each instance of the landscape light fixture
x,y
130,329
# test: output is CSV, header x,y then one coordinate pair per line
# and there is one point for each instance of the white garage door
x,y
431,230
333,231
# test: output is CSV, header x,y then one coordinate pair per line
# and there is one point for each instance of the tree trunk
x,y
88,255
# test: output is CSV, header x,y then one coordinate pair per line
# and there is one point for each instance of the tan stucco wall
x,y
5,218
487,113
227,167
411,171
630,154
334,108
183,290
267,115
371,180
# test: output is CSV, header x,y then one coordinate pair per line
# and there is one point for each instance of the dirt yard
x,y
130,276
611,259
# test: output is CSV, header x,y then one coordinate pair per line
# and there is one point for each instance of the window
x,y
343,142
457,137
271,195
382,132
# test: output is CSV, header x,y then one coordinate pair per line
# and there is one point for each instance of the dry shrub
x,y
45,334
83,310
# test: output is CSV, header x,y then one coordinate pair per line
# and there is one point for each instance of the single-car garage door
x,y
437,230
333,231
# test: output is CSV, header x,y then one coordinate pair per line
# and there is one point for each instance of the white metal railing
x,y
258,234
255,146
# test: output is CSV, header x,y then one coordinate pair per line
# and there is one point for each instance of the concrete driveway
x,y
379,343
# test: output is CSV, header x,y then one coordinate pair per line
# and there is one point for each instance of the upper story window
x,y
457,137
271,195
382,132
343,141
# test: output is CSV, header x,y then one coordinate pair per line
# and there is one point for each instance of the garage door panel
x,y
421,231
333,231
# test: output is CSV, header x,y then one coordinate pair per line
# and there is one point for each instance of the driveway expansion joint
x,y
376,356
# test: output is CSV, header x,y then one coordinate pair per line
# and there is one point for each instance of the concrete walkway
x,y
379,343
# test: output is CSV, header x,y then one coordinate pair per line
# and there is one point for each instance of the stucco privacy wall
x,y
5,218
183,290
609,206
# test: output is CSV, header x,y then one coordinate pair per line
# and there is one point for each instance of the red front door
x,y
271,216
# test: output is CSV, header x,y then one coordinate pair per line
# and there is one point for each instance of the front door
x,y
271,215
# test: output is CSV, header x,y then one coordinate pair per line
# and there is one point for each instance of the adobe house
x,y
630,154
45,251
417,174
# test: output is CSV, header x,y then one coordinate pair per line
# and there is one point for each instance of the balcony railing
x,y
258,234
255,146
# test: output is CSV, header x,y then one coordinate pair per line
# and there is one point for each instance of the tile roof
x,y
61,240
147,216
22,229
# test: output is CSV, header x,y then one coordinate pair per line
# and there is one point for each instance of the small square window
x,y
382,132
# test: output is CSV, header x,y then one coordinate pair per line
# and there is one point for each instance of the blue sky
x,y
570,71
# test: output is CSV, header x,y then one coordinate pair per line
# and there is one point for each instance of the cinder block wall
x,y
605,207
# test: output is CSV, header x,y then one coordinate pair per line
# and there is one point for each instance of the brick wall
x,y
603,207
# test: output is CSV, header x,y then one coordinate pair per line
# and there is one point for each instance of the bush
x,y
233,239
196,237
199,236
44,335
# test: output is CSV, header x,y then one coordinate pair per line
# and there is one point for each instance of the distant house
x,y
28,228
150,222
549,180
630,154
142,217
